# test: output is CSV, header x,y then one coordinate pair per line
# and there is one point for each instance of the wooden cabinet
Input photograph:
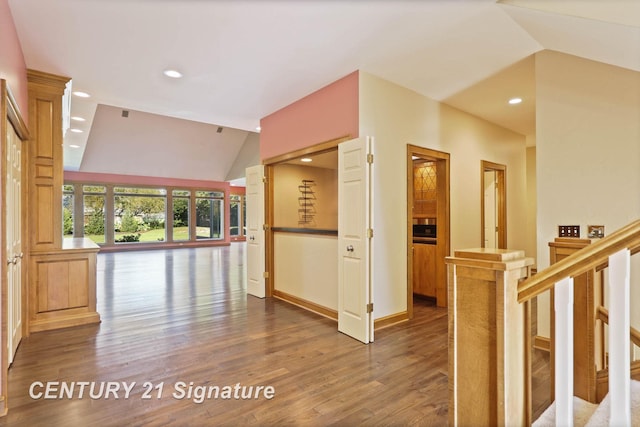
x,y
425,189
45,159
63,286
62,272
424,269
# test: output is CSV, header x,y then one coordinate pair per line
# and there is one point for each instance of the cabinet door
x,y
424,269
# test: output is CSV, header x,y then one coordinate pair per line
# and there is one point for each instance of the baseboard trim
x,y
542,343
392,319
308,305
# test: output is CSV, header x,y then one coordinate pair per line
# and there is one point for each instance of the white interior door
x,y
354,242
490,211
255,231
14,242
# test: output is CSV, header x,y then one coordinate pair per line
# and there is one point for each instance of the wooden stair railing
x,y
613,251
634,334
602,376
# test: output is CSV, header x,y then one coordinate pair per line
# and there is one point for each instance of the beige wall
x,y
286,180
588,149
395,117
307,267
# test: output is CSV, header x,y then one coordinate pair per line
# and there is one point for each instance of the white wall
x,y
306,266
588,150
249,155
147,144
395,117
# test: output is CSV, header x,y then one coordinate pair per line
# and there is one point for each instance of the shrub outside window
x,y
67,210
209,218
93,197
181,210
139,214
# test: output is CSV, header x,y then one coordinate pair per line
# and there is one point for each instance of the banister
x,y
603,315
587,258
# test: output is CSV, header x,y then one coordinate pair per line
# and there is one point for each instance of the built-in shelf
x,y
306,202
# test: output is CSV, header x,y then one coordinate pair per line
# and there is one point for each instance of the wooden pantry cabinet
x,y
62,272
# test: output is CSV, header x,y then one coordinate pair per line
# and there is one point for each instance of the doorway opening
x,y
301,213
493,200
428,228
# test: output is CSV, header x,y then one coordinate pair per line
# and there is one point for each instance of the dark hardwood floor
x,y
183,316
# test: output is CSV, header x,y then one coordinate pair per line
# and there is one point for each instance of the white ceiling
x,y
245,59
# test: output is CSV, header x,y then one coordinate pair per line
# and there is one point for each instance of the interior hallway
x,y
183,315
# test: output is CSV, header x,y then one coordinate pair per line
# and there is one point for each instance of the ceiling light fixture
x,y
74,146
74,130
514,101
78,119
81,94
258,128
306,159
174,74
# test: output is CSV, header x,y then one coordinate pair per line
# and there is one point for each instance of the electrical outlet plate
x,y
595,231
569,231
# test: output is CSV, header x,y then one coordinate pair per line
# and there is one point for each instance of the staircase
x,y
591,414
490,293
612,253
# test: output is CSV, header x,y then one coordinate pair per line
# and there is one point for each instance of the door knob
x,y
252,238
350,248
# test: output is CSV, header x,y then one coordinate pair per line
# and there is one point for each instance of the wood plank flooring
x,y
183,315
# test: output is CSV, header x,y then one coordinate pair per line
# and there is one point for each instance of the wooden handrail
x,y
603,315
590,257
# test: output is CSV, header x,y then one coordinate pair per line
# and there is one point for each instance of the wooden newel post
x,y
489,338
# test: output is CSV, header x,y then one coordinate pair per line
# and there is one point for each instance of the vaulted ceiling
x,y
242,60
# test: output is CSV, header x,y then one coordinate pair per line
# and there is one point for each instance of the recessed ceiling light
x,y
77,119
74,146
81,94
74,130
174,74
258,128
514,101
306,159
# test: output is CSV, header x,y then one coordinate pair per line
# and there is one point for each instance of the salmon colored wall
x,y
13,69
107,178
329,113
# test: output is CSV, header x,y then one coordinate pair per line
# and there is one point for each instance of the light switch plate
x,y
568,231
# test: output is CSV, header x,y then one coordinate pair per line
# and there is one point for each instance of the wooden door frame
x,y
269,165
443,221
501,201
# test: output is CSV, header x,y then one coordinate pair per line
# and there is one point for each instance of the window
x,y
93,197
139,214
181,209
67,210
117,214
209,218
235,216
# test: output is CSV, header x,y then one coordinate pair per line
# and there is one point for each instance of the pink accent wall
x,y
329,113
108,178
12,65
